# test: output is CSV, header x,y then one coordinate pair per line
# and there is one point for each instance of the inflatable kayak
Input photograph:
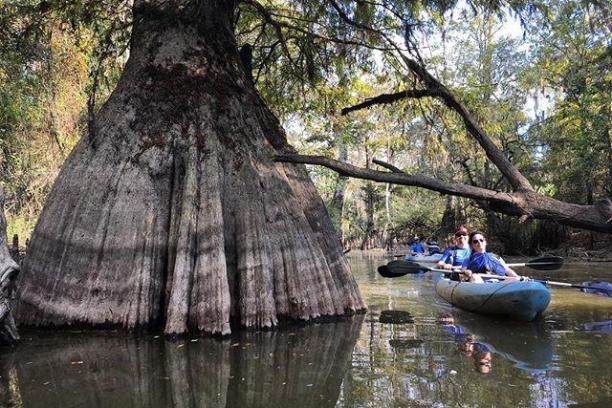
x,y
517,300
423,258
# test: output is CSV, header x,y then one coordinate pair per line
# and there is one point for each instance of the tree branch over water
x,y
527,204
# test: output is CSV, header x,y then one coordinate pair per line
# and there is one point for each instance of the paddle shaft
x,y
528,264
544,282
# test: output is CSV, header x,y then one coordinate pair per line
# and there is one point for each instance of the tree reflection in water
x,y
301,366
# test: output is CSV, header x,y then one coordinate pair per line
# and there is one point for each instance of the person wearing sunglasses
x,y
456,254
482,262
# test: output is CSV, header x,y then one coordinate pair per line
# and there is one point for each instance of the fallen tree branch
x,y
519,203
417,180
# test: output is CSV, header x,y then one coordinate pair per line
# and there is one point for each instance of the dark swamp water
x,y
366,361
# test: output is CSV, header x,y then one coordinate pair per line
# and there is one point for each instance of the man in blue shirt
x,y
417,247
455,255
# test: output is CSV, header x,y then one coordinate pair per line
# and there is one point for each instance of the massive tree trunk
x,y
173,212
8,275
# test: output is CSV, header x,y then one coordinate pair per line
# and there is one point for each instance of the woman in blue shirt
x,y
483,262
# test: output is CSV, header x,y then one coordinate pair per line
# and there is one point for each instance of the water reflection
x,y
604,327
528,345
480,361
297,367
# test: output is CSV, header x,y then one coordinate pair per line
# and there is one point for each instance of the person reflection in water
x,y
467,344
481,353
483,360
448,325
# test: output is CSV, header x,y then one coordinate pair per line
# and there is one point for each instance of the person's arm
x,y
443,261
509,271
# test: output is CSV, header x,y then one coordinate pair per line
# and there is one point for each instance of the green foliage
x,y
572,69
51,54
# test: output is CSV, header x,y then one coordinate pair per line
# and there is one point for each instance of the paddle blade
x,y
599,288
405,267
385,272
400,268
545,263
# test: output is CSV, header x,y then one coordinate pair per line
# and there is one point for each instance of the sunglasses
x,y
475,241
460,235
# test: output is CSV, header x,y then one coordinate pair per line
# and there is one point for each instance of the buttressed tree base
x,y
171,212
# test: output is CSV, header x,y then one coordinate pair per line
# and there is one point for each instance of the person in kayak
x,y
416,247
456,254
482,262
432,247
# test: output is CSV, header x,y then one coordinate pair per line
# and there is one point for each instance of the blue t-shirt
x,y
486,262
433,248
455,256
417,248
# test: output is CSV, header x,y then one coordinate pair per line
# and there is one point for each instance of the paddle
x,y
545,263
604,288
395,269
408,268
587,288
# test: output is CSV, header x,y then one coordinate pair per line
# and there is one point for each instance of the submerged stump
x,y
172,212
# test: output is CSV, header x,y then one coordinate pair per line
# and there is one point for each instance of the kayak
x,y
423,258
517,300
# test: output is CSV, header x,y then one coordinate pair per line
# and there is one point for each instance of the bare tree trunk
x,y
368,199
387,233
8,275
174,214
368,191
449,217
336,204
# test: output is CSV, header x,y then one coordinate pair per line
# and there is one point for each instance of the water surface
x,y
464,360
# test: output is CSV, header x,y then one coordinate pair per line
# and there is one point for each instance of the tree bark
x,y
521,203
173,213
8,275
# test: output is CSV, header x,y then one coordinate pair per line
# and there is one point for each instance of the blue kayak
x,y
423,258
517,300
